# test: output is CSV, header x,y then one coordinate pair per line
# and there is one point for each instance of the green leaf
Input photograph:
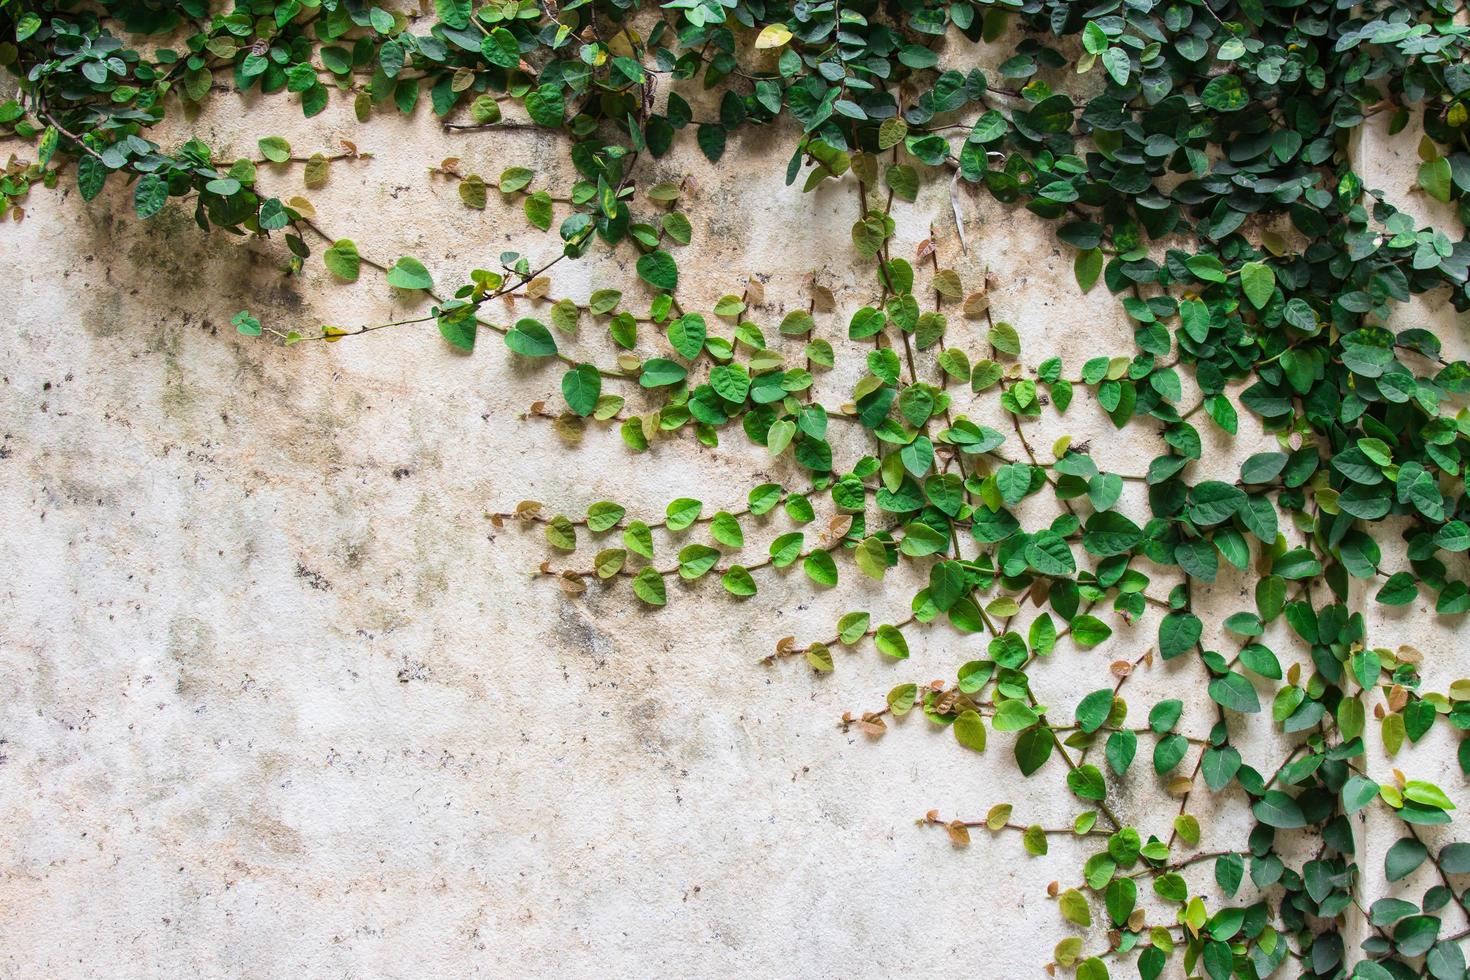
x,y
1262,467
682,513
539,210
969,730
1168,753
1014,482
890,642
1013,715
1004,338
638,538
1357,793
1047,552
582,386
903,180
1086,781
1087,266
1224,93
1094,709
1088,631
1120,898
342,260
604,516
1278,810
659,270
28,23
1434,178
1403,858
852,627
648,585
1428,794
1178,632
1400,589
409,273
275,149
91,176
1259,283
696,559
246,324
472,192
530,338
458,326
725,529
821,568
560,534
499,47
660,371
1206,267
149,195
1074,909
513,179
1033,748
1236,692
1121,747
1163,716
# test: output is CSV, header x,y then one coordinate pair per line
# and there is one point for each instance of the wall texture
x,y
277,698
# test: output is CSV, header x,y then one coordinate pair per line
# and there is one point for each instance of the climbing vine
x,y
1194,158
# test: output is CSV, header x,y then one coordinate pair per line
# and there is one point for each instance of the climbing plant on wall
x,y
1192,157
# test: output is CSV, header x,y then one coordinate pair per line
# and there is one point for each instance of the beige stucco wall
x,y
278,699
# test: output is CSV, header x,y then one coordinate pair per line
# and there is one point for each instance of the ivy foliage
x,y
1205,180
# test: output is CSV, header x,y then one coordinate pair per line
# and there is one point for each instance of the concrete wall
x,y
277,698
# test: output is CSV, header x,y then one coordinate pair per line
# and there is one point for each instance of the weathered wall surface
x,y
278,699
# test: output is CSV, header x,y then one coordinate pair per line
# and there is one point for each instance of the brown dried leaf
x,y
1180,785
571,583
570,428
538,287
976,304
755,292
1121,668
528,509
822,299
959,834
839,526
925,249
